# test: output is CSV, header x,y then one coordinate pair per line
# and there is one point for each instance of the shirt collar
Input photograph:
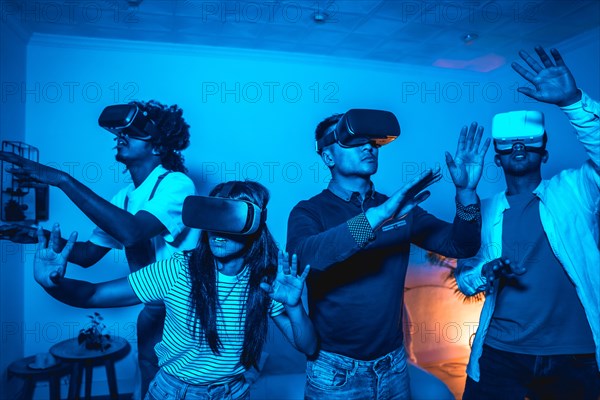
x,y
345,194
150,180
538,191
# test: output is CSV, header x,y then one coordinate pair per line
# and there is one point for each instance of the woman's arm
x,y
287,289
298,329
49,271
82,294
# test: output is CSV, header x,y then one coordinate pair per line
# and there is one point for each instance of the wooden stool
x,y
84,359
21,369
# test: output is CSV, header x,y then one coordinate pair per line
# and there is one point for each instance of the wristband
x,y
468,213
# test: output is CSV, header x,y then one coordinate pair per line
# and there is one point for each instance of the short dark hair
x,y
174,133
326,124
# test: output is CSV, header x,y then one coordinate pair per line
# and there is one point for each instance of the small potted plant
x,y
93,335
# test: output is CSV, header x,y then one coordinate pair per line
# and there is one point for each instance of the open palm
x,y
28,171
49,266
287,286
467,165
552,83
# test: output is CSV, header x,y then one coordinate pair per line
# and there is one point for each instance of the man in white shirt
x,y
539,330
144,218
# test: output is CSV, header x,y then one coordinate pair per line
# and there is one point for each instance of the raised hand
x,y
404,199
287,286
29,172
497,269
552,83
467,165
49,266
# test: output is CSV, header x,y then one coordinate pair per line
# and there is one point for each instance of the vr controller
x,y
128,119
358,127
525,127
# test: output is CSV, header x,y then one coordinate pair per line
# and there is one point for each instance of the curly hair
x,y
261,258
174,133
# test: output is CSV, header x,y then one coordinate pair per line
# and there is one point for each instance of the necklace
x,y
237,278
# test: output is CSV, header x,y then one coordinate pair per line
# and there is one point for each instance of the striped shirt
x,y
179,353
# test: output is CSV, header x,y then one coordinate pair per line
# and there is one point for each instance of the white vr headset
x,y
525,127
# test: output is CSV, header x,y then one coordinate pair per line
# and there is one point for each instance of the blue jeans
x,y
168,387
335,377
505,376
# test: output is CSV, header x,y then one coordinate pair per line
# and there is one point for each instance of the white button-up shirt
x,y
569,214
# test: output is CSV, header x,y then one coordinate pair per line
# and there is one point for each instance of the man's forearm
x,y
115,221
461,239
315,248
585,118
466,197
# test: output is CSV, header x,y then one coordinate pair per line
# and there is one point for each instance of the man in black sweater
x,y
357,242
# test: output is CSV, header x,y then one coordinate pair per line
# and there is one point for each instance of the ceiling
x,y
398,31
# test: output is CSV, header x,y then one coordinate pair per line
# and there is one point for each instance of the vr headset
x,y
128,119
525,127
358,127
222,214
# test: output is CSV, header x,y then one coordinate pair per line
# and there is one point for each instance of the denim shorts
x,y
167,387
333,376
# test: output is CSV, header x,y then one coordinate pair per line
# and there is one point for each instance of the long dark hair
x,y
261,258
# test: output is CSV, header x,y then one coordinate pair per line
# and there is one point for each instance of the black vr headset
x,y
358,127
129,120
222,214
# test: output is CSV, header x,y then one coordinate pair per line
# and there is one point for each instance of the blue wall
x,y
13,49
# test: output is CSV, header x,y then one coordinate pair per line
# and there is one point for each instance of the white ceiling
x,y
411,32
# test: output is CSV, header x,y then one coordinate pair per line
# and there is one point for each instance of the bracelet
x,y
469,213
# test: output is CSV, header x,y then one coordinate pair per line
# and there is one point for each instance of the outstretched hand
x,y
18,233
49,266
29,172
467,165
552,82
404,199
498,269
287,286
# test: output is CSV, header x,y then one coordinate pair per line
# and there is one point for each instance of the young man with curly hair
x,y
144,218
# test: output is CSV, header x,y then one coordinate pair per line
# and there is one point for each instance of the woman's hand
x,y
49,267
287,286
